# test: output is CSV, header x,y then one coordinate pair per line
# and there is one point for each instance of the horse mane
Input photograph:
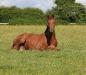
x,y
48,35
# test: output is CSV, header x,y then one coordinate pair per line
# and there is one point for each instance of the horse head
x,y
51,22
50,28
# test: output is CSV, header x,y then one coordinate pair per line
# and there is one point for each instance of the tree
x,y
15,15
67,11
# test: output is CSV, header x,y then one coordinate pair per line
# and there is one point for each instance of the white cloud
x,y
5,3
81,1
42,4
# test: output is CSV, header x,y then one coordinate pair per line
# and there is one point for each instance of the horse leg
x,y
16,46
19,42
22,48
51,47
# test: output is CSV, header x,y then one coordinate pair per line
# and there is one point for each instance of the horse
x,y
46,40
19,41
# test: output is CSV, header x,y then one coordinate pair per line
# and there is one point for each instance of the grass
x,y
70,60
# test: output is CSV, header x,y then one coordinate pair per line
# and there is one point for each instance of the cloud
x,y
5,2
42,4
81,1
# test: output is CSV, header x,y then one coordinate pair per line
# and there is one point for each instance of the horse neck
x,y
53,34
49,35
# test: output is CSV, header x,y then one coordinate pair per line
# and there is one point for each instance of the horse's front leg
x,y
51,47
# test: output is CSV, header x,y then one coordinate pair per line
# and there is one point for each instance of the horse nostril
x,y
51,30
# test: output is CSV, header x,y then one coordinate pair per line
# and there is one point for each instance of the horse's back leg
x,y
15,46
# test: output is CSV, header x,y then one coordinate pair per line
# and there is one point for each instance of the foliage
x,y
15,15
66,11
69,12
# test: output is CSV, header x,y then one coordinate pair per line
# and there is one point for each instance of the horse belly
x,y
36,42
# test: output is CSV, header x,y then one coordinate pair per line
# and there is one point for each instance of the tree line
x,y
14,15
66,11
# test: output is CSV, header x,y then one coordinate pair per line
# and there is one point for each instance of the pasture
x,y
70,60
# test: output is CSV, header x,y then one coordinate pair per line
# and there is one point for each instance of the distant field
x,y
70,60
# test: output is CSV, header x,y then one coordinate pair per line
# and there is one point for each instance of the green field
x,y
70,60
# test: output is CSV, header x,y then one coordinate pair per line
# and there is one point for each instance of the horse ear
x,y
50,16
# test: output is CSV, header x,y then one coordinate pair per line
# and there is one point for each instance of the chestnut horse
x,y
46,40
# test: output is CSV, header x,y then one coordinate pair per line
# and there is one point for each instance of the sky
x,y
42,4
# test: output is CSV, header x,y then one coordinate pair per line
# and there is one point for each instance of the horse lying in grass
x,y
46,40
